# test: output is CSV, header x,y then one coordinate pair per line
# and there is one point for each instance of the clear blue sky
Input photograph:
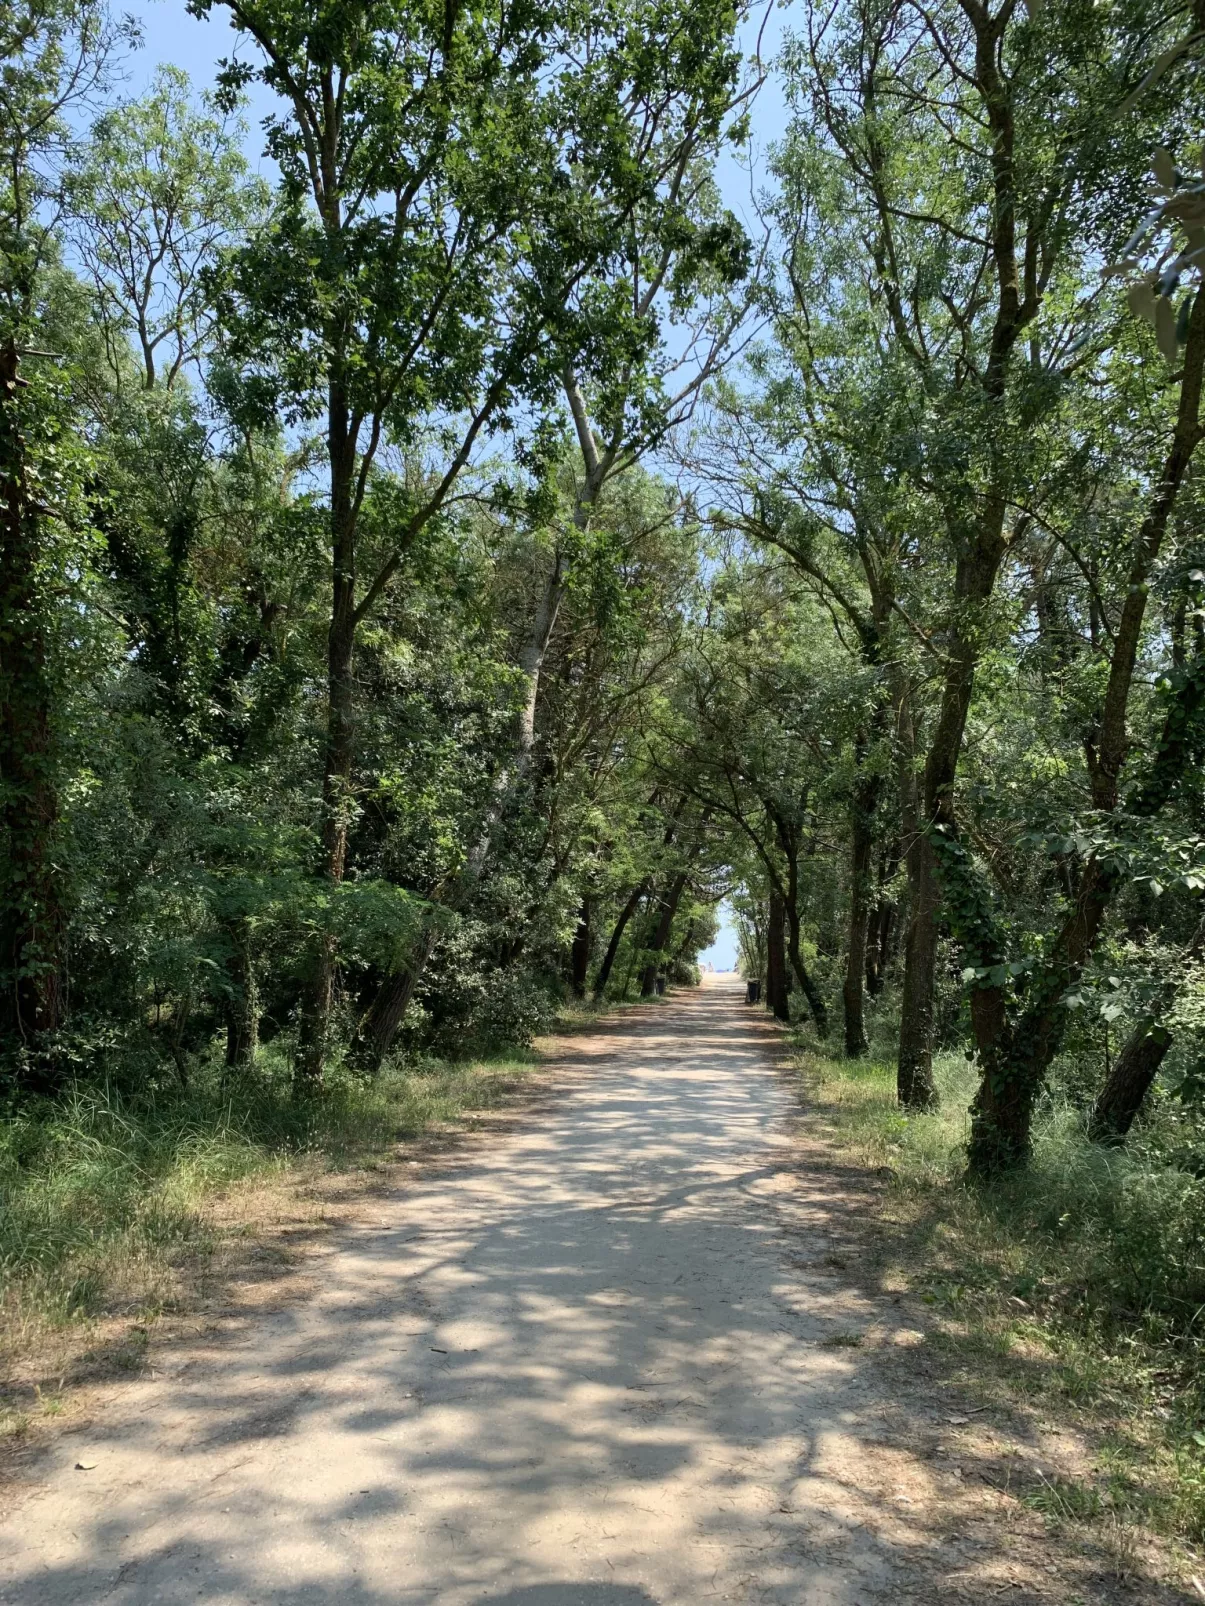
x,y
722,953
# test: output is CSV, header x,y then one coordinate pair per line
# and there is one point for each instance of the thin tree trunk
x,y
776,959
242,1001
669,908
339,750
31,918
625,914
915,1088
882,924
862,813
788,842
914,1066
810,991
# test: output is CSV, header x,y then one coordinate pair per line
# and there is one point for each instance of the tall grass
x,y
1096,1257
103,1194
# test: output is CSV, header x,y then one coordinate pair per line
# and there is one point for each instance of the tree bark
x,y
861,850
788,842
242,1000
608,962
807,986
579,955
882,926
669,908
776,959
1119,1101
383,1020
914,1066
31,915
314,1041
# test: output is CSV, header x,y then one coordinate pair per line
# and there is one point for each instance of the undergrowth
x,y
103,1193
1083,1278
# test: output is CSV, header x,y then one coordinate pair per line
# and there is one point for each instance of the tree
x,y
54,56
443,193
160,188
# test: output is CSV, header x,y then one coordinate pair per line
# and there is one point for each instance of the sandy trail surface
x,y
574,1366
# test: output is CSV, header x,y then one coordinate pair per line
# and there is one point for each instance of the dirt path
x,y
583,1367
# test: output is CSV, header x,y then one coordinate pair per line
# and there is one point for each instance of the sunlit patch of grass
x,y
1066,1500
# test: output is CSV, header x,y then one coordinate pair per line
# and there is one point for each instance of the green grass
x,y
1080,1282
102,1194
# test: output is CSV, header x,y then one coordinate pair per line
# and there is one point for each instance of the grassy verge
x,y
113,1208
1079,1286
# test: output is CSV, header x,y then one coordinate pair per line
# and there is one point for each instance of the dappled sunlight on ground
x,y
610,1361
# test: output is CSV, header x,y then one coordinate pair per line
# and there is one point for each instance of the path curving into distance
x,y
571,1365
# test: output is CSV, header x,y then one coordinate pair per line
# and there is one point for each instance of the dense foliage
x,y
432,580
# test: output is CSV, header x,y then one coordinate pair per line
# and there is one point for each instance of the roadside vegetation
x,y
115,1206
1078,1287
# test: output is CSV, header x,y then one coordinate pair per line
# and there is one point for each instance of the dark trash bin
x,y
660,985
753,992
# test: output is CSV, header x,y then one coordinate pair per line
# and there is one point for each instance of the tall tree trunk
x,y
915,1088
579,954
532,656
608,962
788,842
669,908
882,925
802,975
31,916
914,1066
242,999
861,850
339,748
776,959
